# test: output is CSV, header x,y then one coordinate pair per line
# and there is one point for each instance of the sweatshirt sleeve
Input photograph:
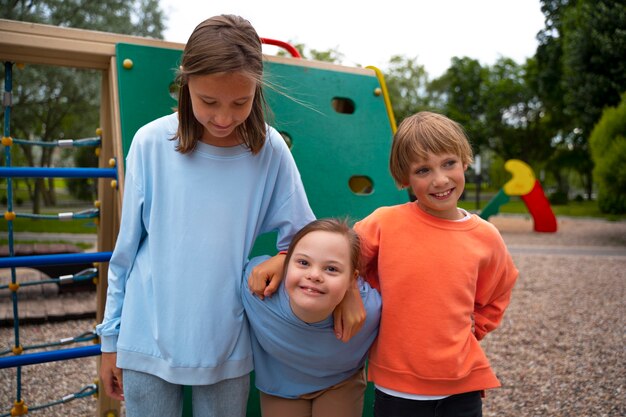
x,y
493,292
369,232
132,232
289,208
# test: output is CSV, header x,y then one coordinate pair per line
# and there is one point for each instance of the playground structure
x,y
336,119
327,114
524,184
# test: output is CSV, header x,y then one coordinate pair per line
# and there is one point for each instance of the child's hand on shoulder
x,y
266,277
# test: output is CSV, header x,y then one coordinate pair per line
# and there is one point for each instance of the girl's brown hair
x,y
423,133
333,226
221,44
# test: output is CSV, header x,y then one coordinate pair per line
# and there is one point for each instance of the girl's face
x,y
318,275
221,102
438,182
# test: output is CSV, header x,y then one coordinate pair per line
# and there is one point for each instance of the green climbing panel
x,y
329,147
337,124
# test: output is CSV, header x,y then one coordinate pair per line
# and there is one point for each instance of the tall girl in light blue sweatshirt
x,y
201,185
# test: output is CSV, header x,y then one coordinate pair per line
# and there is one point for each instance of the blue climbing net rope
x,y
14,356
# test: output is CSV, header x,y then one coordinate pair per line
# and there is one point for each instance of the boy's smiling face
x,y
438,182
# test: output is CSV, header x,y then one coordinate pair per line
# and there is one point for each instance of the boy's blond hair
x,y
422,133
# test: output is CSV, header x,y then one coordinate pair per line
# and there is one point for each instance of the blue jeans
x,y
468,404
149,395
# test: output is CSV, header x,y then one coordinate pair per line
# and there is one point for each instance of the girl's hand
x,y
349,315
111,376
266,277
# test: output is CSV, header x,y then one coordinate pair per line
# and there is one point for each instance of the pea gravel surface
x,y
560,350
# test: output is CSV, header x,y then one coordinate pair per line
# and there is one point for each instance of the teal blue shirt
x,y
292,357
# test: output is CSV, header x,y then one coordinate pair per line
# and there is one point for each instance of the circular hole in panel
x,y
287,139
361,185
343,105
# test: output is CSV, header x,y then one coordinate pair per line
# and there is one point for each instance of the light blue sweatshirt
x,y
292,357
188,224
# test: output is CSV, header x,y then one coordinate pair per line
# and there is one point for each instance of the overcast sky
x,y
434,31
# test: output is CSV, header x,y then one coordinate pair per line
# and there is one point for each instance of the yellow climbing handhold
x,y
97,151
9,215
17,350
378,91
7,140
112,162
96,203
113,183
523,179
14,286
127,63
99,131
19,408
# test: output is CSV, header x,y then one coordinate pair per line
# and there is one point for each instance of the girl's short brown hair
x,y
221,44
423,133
334,226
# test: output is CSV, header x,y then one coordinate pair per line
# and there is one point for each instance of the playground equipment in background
x,y
337,121
524,184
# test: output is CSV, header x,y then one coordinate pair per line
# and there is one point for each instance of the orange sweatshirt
x,y
433,275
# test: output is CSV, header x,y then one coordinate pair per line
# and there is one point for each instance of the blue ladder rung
x,y
32,172
55,259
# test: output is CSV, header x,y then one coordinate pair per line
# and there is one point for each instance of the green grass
x,y
86,226
81,245
572,209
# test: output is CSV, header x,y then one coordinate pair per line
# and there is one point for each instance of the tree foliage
x,y
460,92
581,70
594,68
54,103
608,148
407,83
331,55
129,17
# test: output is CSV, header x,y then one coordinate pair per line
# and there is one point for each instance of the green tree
x,y
407,84
332,55
608,149
48,104
54,103
513,113
460,93
581,70
594,68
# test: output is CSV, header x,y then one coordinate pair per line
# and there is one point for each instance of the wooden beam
x,y
34,43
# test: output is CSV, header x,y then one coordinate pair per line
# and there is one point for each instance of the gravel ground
x,y
560,350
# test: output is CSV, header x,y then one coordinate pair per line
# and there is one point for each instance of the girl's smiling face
x,y
318,275
221,102
438,182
